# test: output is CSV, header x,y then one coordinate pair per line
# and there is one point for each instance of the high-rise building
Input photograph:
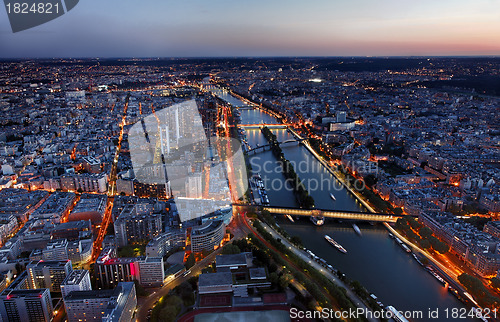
x,y
165,242
20,282
207,236
151,271
56,250
112,271
48,274
80,250
26,305
78,280
122,304
148,271
194,186
137,223
5,279
116,304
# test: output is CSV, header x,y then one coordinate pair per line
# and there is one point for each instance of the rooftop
x,y
215,279
257,273
44,263
90,203
240,259
75,277
206,227
38,293
93,294
80,224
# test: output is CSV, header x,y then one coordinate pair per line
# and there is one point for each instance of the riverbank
x,y
333,172
449,274
391,266
302,195
446,272
302,256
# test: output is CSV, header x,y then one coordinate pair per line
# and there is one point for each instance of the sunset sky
x,y
187,28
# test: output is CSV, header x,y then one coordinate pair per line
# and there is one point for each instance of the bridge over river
x,y
265,147
338,214
259,126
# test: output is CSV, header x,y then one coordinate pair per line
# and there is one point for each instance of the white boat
x,y
356,229
416,258
403,245
332,196
289,218
397,316
436,275
334,243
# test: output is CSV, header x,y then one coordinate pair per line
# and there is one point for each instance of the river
x,y
374,259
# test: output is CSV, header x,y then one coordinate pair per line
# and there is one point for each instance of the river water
x,y
374,259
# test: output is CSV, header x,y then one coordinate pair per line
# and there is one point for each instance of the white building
x,y
151,271
86,182
78,280
165,242
207,236
194,186
56,250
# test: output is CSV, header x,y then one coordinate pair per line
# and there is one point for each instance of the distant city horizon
x,y
250,57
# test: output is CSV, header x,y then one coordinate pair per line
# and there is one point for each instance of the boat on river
x,y
356,229
335,244
317,220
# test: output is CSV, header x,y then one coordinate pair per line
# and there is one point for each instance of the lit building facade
x,y
207,236
48,274
26,305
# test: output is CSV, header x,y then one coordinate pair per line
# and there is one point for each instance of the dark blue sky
x,y
146,28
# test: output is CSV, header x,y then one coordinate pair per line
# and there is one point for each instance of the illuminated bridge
x,y
258,126
347,215
265,147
